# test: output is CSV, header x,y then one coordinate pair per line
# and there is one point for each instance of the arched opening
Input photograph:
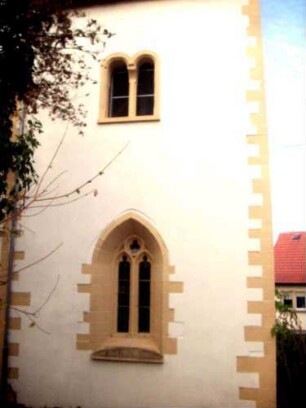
x,y
129,293
119,90
129,88
131,261
145,88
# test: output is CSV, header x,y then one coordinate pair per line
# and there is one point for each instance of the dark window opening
x,y
288,302
134,247
119,92
300,302
144,296
123,296
296,237
145,89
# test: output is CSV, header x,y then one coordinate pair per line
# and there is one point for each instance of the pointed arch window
x,y
124,284
144,295
129,88
134,289
129,311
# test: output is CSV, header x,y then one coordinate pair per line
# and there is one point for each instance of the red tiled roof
x,y
289,258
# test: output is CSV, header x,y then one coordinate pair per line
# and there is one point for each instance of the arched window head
x,y
124,284
129,312
129,88
145,88
144,295
119,91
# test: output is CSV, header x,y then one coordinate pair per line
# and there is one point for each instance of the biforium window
x,y
131,87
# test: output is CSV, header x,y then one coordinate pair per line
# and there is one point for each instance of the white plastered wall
x,y
188,175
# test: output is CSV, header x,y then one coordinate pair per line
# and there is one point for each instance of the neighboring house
x,y
290,271
166,289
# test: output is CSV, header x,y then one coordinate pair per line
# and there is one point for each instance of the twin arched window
x,y
131,93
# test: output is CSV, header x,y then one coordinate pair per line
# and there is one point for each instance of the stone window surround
x,y
102,338
292,293
132,64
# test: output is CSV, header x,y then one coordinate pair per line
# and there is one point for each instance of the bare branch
x,y
49,205
45,189
33,316
77,189
43,208
52,159
30,317
39,260
48,297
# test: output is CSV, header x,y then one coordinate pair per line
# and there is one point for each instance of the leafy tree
x,y
44,50
42,58
286,322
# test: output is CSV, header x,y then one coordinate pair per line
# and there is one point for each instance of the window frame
x,y
302,295
292,295
112,96
134,287
132,64
102,340
142,94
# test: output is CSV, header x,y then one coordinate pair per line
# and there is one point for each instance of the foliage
x,y
44,53
287,329
17,157
43,56
286,321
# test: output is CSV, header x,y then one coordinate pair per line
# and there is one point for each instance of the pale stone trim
x,y
13,373
131,64
21,299
265,395
15,276
14,349
17,298
140,350
102,310
19,255
15,323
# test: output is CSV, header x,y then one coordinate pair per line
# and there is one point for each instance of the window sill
x,y
137,350
129,119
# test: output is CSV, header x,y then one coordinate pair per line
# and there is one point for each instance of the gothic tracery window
x,y
134,268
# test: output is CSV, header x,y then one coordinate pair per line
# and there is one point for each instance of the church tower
x,y
165,293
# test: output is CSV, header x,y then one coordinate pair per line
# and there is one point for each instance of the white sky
x,y
284,23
